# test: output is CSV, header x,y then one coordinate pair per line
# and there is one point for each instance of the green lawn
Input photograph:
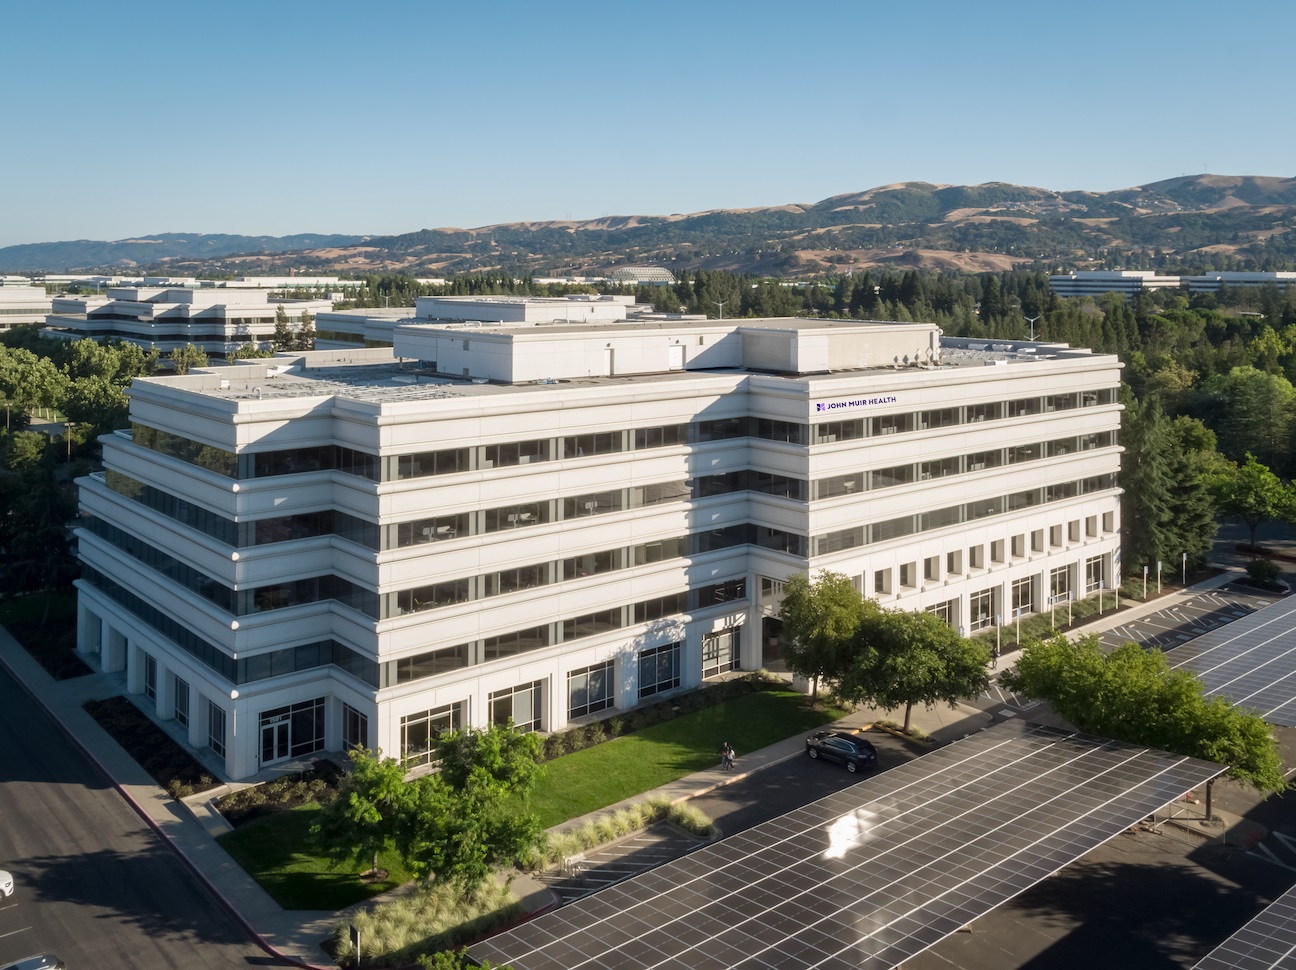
x,y
585,781
277,852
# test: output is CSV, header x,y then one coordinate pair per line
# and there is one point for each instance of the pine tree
x,y
1146,512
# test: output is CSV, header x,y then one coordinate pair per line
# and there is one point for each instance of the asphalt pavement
x,y
293,936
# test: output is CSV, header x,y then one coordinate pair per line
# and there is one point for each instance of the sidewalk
x,y
293,935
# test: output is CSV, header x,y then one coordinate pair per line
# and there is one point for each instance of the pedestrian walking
x,y
726,757
994,657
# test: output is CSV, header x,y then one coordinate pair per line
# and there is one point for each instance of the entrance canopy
x,y
1251,661
873,875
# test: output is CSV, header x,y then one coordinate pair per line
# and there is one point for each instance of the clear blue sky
x,y
285,116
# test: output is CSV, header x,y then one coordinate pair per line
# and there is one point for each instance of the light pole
x,y
721,305
1183,577
1031,321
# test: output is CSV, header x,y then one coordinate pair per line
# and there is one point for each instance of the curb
x,y
152,823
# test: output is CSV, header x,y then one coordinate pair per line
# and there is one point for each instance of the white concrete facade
x,y
218,321
1096,282
21,305
345,548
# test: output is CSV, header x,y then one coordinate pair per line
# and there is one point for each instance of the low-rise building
x,y
1096,282
21,305
218,321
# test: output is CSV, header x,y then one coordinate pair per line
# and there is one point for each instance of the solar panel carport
x,y
1251,661
1268,942
872,875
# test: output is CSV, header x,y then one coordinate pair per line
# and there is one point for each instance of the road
x,y
94,884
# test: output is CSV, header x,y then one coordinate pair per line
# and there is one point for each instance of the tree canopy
x,y
1132,695
455,825
820,618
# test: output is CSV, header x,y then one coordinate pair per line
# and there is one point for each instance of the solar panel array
x,y
872,875
1268,942
1251,661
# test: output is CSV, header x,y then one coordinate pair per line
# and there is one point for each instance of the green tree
x,y
304,338
282,338
901,659
363,819
1133,696
1193,465
1252,412
1146,514
185,358
1252,493
819,619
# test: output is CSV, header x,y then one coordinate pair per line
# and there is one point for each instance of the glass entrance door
x,y
275,738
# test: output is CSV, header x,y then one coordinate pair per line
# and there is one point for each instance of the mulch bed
x,y
52,645
318,784
166,761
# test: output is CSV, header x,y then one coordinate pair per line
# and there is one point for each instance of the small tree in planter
x,y
1263,572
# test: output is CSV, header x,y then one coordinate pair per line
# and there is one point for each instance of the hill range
x,y
990,227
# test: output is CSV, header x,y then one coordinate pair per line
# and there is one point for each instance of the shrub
x,y
596,733
1262,571
616,726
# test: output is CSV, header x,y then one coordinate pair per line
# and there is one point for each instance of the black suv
x,y
851,750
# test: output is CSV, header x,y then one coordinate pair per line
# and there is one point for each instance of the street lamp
x,y
721,305
1031,321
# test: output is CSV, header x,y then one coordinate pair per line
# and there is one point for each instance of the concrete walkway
x,y
295,936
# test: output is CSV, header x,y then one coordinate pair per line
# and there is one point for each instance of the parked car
x,y
41,961
850,749
6,884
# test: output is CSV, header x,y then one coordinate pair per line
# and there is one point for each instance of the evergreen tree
x,y
1146,513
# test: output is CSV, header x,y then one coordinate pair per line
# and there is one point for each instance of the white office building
x,y
552,521
217,321
21,305
1096,282
1211,282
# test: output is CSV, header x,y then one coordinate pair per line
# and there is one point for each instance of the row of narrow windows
x,y
448,461
333,653
455,525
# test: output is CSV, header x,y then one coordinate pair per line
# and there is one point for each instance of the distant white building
x,y
21,304
1211,282
548,521
1096,282
218,321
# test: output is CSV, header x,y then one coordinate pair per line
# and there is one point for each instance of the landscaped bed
x,y
167,762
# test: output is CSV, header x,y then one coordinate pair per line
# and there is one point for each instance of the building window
x,y
1019,546
659,669
150,677
997,551
1109,522
1037,540
982,609
1023,596
1091,526
947,611
720,652
976,557
1094,574
882,582
590,689
420,731
931,568
1073,530
521,705
355,729
1060,583
181,702
216,728
1055,536
954,563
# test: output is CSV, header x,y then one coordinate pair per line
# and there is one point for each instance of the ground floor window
x,y
355,729
287,732
1023,596
520,704
982,609
720,652
216,728
947,611
181,702
591,689
150,677
420,731
1060,583
1094,574
659,669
